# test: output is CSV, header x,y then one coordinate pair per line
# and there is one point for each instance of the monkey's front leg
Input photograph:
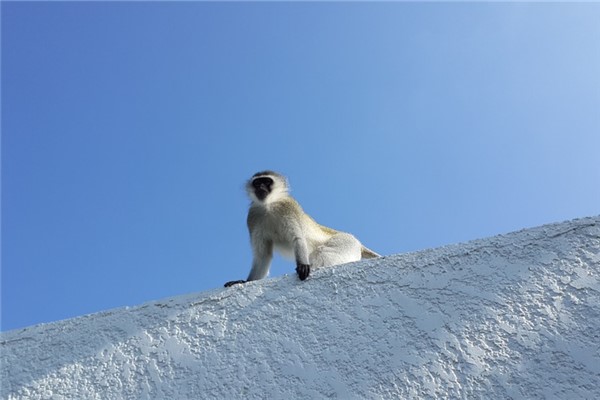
x,y
301,253
303,271
231,283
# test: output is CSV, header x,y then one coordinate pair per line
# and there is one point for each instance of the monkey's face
x,y
262,186
266,187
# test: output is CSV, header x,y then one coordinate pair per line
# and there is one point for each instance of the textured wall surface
x,y
513,316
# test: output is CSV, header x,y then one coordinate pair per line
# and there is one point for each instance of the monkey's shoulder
x,y
281,210
286,206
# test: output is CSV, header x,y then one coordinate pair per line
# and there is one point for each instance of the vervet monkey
x,y
277,222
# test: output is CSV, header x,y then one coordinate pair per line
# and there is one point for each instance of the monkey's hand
x,y
231,283
303,271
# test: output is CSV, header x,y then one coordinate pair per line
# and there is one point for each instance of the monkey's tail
x,y
368,253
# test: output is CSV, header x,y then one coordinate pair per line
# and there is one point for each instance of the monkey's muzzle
x,y
261,192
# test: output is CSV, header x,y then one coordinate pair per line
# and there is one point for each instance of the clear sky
x,y
129,129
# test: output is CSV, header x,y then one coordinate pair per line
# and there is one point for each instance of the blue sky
x,y
129,129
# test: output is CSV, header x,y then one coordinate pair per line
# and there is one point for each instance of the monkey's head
x,y
266,186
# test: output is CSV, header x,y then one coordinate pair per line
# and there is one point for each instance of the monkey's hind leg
x,y
341,248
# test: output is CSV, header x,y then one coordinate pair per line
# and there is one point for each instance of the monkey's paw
x,y
303,271
231,283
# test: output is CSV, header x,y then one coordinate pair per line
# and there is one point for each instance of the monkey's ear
x,y
231,283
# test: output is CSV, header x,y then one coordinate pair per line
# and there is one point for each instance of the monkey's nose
x,y
261,194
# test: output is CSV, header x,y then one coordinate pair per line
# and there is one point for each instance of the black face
x,y
262,187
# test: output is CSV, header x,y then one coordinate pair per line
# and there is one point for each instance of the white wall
x,y
512,316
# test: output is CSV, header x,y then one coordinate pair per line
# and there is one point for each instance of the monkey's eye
x,y
262,181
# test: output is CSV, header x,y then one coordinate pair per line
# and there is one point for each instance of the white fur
x,y
340,248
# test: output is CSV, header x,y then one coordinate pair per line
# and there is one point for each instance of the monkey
x,y
276,221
